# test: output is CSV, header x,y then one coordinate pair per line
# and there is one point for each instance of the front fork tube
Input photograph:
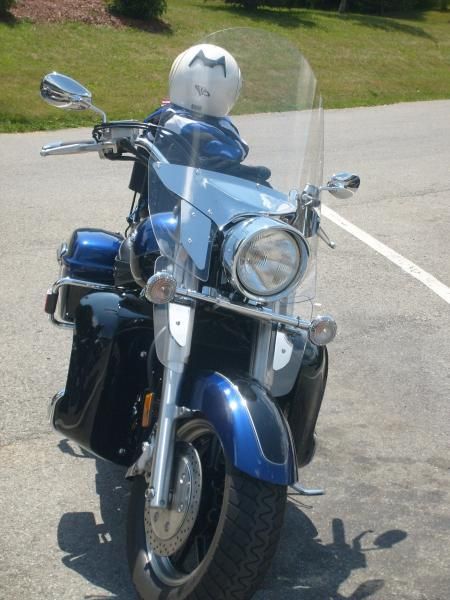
x,y
170,411
165,443
263,349
261,365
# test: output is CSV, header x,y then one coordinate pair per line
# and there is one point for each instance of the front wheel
x,y
218,535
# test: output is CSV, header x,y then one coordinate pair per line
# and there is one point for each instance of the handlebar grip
x,y
60,148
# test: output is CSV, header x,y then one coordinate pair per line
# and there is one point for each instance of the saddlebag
x,y
89,258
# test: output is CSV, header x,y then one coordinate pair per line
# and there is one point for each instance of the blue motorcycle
x,y
197,361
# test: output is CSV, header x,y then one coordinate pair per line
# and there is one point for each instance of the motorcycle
x,y
197,361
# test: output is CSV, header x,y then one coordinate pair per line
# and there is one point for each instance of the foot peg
x,y
305,491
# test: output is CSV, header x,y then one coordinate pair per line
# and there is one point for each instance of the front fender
x,y
254,434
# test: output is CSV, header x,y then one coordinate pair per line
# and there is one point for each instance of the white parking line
x,y
406,265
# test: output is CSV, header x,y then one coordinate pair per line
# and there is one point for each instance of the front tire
x,y
231,543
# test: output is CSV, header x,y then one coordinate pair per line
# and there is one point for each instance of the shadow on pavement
x,y
95,546
304,568
307,569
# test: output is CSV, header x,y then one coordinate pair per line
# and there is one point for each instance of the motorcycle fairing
x,y
202,199
107,373
223,197
302,405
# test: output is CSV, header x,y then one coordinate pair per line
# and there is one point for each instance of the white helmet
x,y
205,79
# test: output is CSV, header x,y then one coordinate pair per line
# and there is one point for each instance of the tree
x,y
342,6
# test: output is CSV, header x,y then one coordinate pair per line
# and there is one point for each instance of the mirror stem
x,y
325,238
99,111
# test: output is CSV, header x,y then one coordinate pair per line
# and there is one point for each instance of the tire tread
x,y
249,538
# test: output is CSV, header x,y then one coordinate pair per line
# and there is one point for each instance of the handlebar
x,y
104,147
105,140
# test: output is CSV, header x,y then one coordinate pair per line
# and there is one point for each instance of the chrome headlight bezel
x,y
237,239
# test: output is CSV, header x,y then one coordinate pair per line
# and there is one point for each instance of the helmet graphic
x,y
205,79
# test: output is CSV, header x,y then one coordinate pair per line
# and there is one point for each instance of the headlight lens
x,y
267,262
265,258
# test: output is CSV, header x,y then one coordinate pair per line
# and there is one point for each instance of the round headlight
x,y
265,258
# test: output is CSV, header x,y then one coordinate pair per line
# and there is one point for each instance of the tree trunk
x,y
443,5
342,7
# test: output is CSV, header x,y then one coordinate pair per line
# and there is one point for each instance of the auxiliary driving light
x,y
323,330
160,288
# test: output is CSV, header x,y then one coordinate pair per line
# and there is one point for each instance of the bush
x,y
364,6
248,4
388,6
5,5
137,9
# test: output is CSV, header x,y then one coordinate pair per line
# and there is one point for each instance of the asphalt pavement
x,y
382,531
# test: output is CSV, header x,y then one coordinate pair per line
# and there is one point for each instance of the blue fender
x,y
254,433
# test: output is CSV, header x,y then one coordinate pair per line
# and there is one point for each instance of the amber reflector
x,y
147,406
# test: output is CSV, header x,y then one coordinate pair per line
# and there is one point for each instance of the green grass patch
x,y
360,60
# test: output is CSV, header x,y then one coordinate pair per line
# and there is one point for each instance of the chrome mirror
x,y
343,185
64,92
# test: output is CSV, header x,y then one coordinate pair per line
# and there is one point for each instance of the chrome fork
x,y
165,441
178,318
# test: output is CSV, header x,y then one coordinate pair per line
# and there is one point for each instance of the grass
x,y
360,60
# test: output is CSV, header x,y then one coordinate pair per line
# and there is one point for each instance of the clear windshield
x,y
278,116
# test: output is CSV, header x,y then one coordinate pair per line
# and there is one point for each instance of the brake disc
x,y
167,529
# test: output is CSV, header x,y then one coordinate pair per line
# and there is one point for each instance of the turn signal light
x,y
160,288
323,330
